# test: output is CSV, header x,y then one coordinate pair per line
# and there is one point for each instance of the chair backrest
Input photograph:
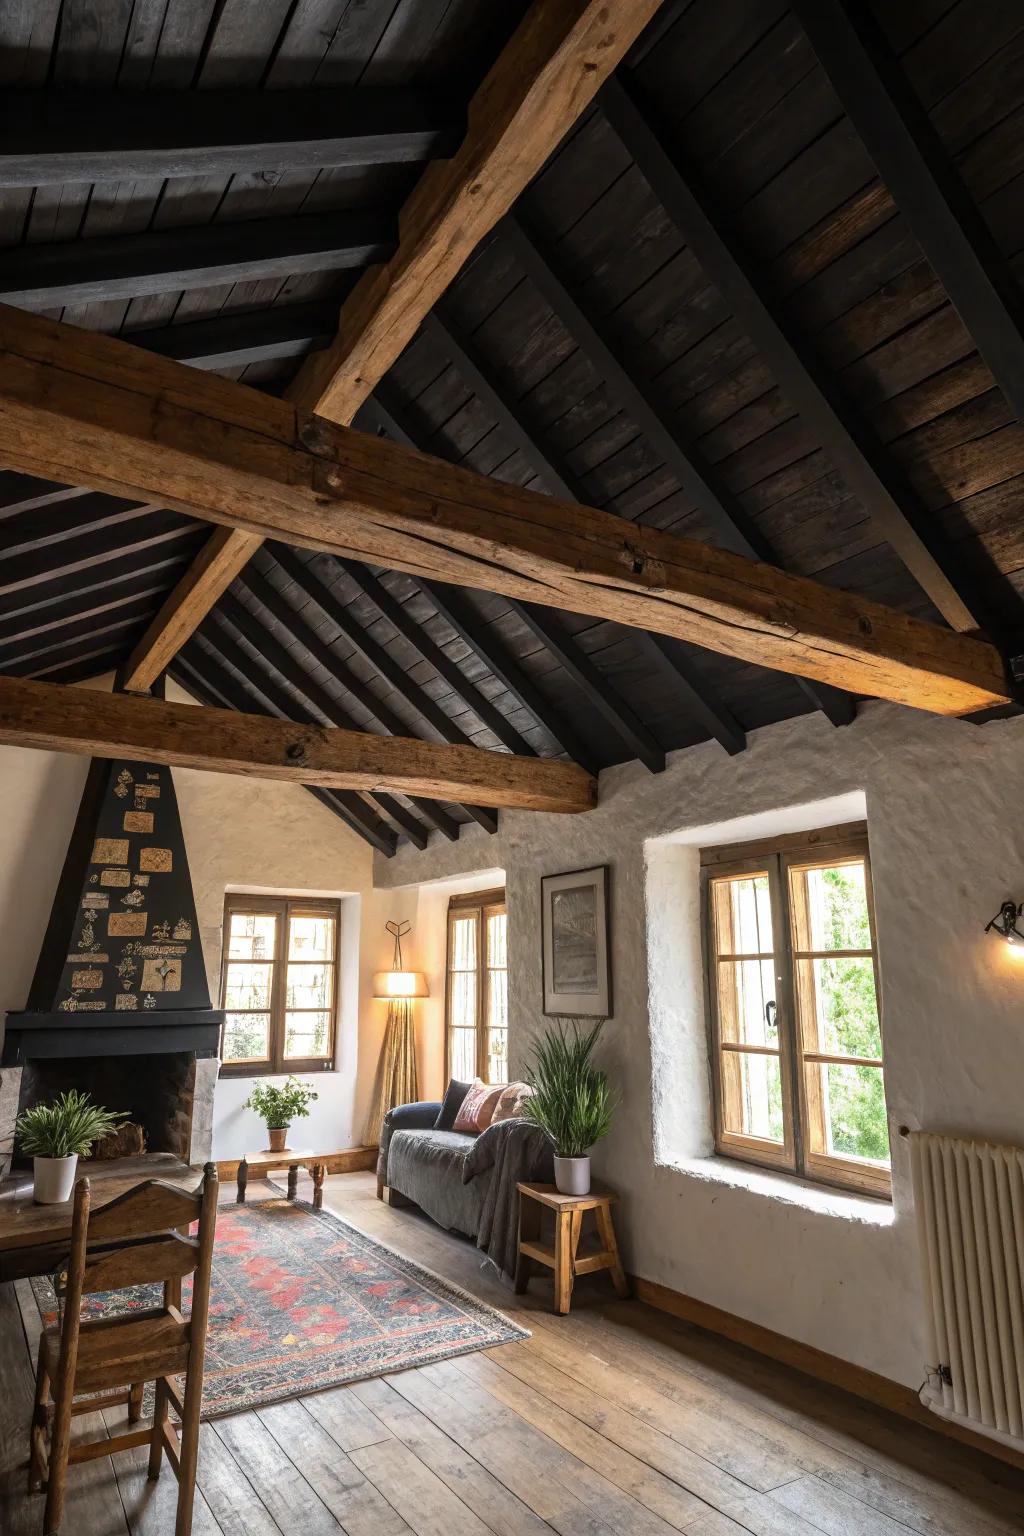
x,y
143,1235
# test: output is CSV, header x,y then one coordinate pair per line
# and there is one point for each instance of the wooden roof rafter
x,y
697,697
544,78
862,459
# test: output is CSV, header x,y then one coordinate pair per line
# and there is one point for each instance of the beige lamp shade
x,y
392,984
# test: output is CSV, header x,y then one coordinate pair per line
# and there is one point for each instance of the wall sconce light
x,y
1004,925
398,983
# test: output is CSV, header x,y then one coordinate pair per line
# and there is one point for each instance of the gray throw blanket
x,y
517,1152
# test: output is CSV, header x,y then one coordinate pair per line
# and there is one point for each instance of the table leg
x,y
606,1226
529,1230
293,1181
563,1261
318,1170
243,1179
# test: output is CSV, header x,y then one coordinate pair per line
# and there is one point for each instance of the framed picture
x,y
575,936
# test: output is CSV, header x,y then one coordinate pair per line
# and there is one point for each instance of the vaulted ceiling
x,y
709,313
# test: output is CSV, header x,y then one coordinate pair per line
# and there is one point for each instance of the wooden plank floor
x,y
613,1420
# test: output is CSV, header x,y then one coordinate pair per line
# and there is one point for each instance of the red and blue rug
x,y
301,1301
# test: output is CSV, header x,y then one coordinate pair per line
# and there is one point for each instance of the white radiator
x,y
969,1198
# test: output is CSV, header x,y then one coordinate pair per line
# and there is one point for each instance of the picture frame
x,y
576,942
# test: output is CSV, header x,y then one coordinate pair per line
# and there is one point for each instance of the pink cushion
x,y
512,1103
477,1108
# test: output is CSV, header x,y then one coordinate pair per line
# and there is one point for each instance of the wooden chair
x,y
141,1237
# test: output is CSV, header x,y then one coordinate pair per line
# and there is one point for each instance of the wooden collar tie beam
x,y
92,410
62,719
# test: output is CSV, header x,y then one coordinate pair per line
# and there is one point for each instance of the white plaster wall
x,y
947,846
241,834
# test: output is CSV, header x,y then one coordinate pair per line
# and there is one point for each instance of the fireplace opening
x,y
156,1091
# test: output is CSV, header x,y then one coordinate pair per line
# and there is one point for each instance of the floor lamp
x,y
397,1077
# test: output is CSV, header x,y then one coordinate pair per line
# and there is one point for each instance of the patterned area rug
x,y
301,1301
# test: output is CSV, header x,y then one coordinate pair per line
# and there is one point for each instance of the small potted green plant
x,y
279,1106
56,1135
571,1100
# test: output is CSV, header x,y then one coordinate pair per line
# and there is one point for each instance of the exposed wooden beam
x,y
925,185
214,569
475,371
195,671
90,409
235,340
383,662
144,534
166,260
848,440
645,404
56,136
547,74
80,720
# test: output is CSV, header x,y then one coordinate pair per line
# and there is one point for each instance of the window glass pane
x,y
746,1002
743,915
248,986
462,1000
846,1111
311,937
836,907
838,1006
252,936
463,955
497,939
310,986
497,1056
306,1034
752,1095
463,1048
247,1037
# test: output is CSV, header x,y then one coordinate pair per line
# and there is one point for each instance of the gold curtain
x,y
397,1077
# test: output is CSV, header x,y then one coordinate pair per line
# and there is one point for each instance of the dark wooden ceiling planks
x,y
623,365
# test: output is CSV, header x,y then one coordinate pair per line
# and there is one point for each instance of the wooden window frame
x,y
803,1123
285,908
484,904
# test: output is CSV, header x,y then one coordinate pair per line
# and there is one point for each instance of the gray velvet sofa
x,y
465,1183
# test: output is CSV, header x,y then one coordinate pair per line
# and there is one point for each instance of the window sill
x,y
254,1069
788,1190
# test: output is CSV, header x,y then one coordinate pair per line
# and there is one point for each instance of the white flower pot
x,y
572,1175
53,1179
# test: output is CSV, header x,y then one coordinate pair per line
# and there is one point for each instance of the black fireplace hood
x,y
121,968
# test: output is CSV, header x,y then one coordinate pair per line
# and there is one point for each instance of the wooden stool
x,y
562,1258
274,1162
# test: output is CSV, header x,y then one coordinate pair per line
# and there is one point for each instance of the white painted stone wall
x,y
241,834
947,844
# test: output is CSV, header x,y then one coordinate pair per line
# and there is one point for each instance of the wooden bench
x,y
276,1162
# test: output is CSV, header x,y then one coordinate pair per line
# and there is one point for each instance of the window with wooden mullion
x,y
797,1048
476,992
279,984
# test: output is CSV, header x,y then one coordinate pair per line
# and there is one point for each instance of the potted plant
x,y
571,1100
56,1135
279,1106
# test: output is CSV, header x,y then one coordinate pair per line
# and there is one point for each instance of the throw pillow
x,y
477,1108
511,1104
451,1104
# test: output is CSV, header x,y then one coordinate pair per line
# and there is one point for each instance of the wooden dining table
x,y
34,1238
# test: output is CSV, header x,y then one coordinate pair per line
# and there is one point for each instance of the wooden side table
x,y
274,1162
564,1257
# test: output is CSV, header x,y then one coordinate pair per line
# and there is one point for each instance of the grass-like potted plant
x,y
279,1106
56,1135
571,1099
